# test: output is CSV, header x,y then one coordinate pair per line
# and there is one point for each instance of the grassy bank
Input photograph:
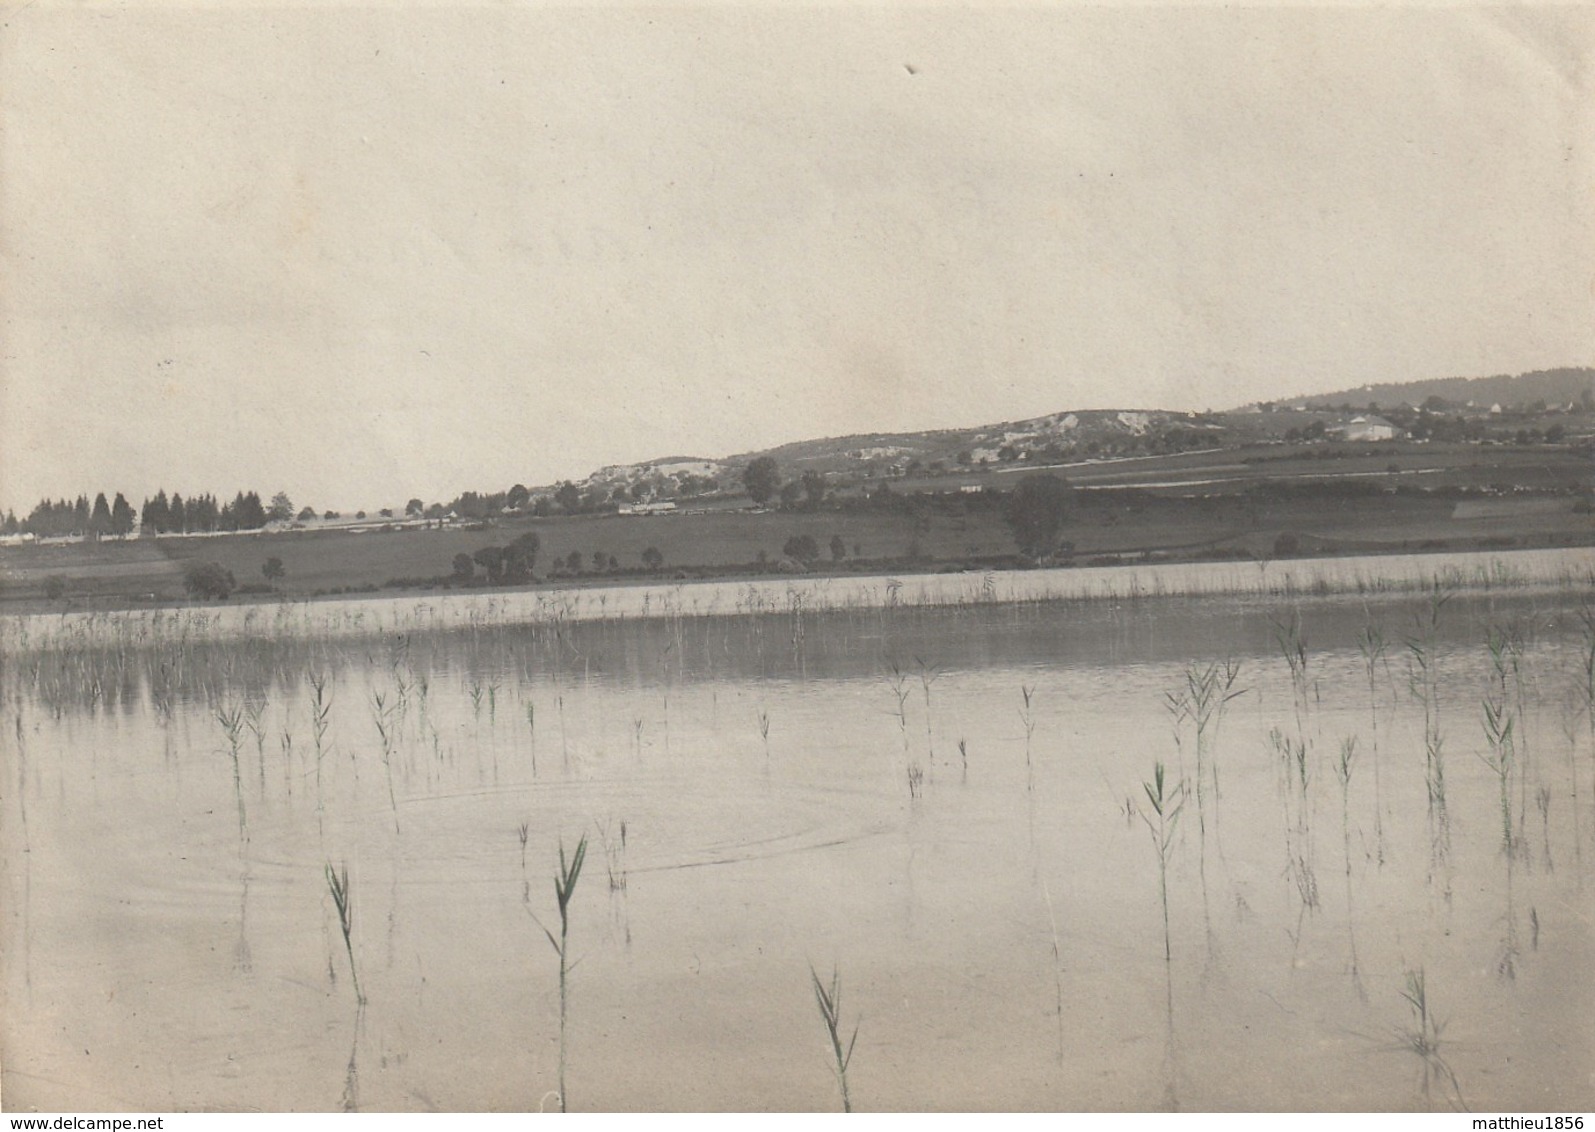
x,y
940,532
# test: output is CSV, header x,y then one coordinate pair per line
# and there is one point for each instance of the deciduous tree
x,y
761,478
1036,512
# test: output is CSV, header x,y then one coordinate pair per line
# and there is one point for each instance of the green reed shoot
x,y
253,711
1371,644
338,885
1586,691
1294,777
564,888
382,715
1586,618
1166,801
1343,769
1422,1037
1522,755
1027,716
898,682
1424,681
287,742
829,1000
614,856
1057,966
928,675
531,725
564,741
1293,646
320,722
1498,726
1542,799
232,723
1202,702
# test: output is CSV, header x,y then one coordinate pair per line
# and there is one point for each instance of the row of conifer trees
x,y
159,515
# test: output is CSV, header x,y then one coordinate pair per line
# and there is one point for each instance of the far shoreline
x,y
1368,576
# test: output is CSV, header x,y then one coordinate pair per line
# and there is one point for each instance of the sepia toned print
x,y
796,558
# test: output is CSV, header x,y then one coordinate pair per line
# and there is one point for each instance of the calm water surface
x,y
862,789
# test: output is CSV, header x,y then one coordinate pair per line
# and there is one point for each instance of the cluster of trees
x,y
76,517
158,516
602,562
1036,512
806,549
209,580
176,515
508,565
567,499
512,563
763,483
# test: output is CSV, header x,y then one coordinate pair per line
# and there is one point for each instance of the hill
x,y
1552,386
1086,435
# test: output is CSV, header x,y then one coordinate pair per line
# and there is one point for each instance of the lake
x,y
1375,843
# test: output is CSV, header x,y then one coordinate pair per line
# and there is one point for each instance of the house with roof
x,y
1366,428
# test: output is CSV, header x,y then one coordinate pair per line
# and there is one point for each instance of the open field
x,y
1189,506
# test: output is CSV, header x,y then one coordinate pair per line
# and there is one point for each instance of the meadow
x,y
946,533
1213,836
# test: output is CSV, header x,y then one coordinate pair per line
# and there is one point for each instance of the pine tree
x,y
100,521
122,516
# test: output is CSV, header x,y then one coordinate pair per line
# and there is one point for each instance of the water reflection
x,y
749,781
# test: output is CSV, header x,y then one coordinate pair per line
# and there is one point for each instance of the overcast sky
x,y
365,255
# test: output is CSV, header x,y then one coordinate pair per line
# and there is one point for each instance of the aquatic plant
x,y
928,675
231,720
614,856
829,1000
1586,688
1503,726
1028,718
1542,799
1166,801
1371,644
1498,725
1424,682
898,682
1343,769
320,722
1422,1037
1293,646
1201,703
524,830
253,711
1057,967
564,888
338,885
1293,781
382,716
531,726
